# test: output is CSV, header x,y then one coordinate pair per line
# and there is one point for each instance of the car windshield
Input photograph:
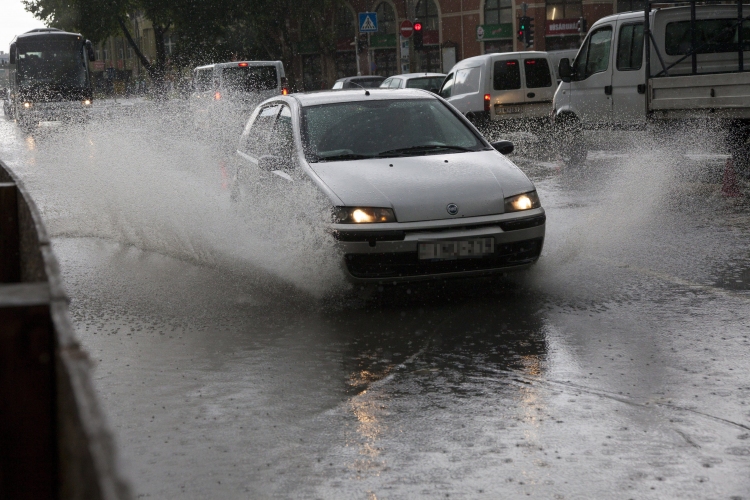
x,y
250,78
55,61
426,83
384,128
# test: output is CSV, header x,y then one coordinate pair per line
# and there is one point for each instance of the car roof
x,y
416,75
235,63
471,61
360,78
354,95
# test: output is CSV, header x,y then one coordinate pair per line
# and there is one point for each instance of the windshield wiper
x,y
343,156
424,148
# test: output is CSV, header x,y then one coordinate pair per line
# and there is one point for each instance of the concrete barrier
x,y
54,440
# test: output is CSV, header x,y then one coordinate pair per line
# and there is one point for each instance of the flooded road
x,y
234,361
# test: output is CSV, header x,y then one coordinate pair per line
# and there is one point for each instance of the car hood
x,y
420,188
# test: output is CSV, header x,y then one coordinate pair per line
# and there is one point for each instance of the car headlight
x,y
27,105
362,215
87,102
525,201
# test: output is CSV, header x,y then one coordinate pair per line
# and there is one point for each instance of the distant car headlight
x,y
362,215
87,102
27,105
525,201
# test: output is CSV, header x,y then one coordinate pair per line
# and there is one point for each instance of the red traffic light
x,y
417,26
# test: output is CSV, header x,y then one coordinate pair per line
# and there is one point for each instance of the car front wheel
x,y
570,140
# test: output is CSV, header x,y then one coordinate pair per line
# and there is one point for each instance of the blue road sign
x,y
368,22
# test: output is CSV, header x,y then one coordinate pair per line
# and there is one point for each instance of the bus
x,y
49,77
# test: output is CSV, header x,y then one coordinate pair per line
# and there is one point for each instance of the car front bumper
x,y
391,254
53,111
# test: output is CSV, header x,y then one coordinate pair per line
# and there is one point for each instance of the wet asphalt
x,y
617,367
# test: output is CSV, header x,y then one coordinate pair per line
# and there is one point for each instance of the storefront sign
x,y
494,31
561,27
97,66
383,41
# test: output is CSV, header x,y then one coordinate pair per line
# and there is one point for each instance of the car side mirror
x,y
503,147
12,58
90,51
565,70
270,163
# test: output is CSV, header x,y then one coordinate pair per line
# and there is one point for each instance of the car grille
x,y
405,264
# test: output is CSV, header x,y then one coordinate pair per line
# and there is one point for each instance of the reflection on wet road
x,y
616,368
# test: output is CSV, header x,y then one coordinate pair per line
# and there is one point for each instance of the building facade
x,y
453,30
117,70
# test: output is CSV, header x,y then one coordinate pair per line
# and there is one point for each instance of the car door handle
x,y
530,95
608,89
641,88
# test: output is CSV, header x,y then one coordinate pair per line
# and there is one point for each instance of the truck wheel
x,y
570,140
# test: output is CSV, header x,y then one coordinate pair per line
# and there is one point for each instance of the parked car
x,y
233,89
425,81
356,82
504,87
414,189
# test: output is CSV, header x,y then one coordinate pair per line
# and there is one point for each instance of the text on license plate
x,y
502,110
475,247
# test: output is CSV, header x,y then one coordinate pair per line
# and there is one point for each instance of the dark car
x,y
355,82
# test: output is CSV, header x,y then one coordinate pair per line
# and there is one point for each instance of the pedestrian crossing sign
x,y
368,22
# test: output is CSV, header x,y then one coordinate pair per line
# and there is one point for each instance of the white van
x,y
503,87
234,89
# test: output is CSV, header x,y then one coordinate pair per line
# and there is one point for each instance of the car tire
x,y
570,140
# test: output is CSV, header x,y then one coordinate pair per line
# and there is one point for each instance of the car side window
x,y
445,90
537,73
467,81
594,55
630,47
386,83
506,75
203,80
256,140
395,83
281,141
338,85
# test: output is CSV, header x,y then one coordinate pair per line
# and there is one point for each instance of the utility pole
x,y
410,7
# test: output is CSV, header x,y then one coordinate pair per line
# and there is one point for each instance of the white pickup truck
x,y
662,65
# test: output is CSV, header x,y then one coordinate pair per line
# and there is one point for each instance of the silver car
x,y
414,189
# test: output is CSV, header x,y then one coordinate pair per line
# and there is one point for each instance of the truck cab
x,y
692,68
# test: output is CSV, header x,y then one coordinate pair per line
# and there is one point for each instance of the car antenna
x,y
367,92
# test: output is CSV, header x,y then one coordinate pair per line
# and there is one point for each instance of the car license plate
x,y
445,250
504,110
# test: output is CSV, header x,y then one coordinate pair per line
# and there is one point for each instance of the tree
x,y
208,30
99,19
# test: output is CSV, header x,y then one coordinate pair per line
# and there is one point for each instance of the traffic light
x,y
362,42
582,25
529,33
523,23
418,32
